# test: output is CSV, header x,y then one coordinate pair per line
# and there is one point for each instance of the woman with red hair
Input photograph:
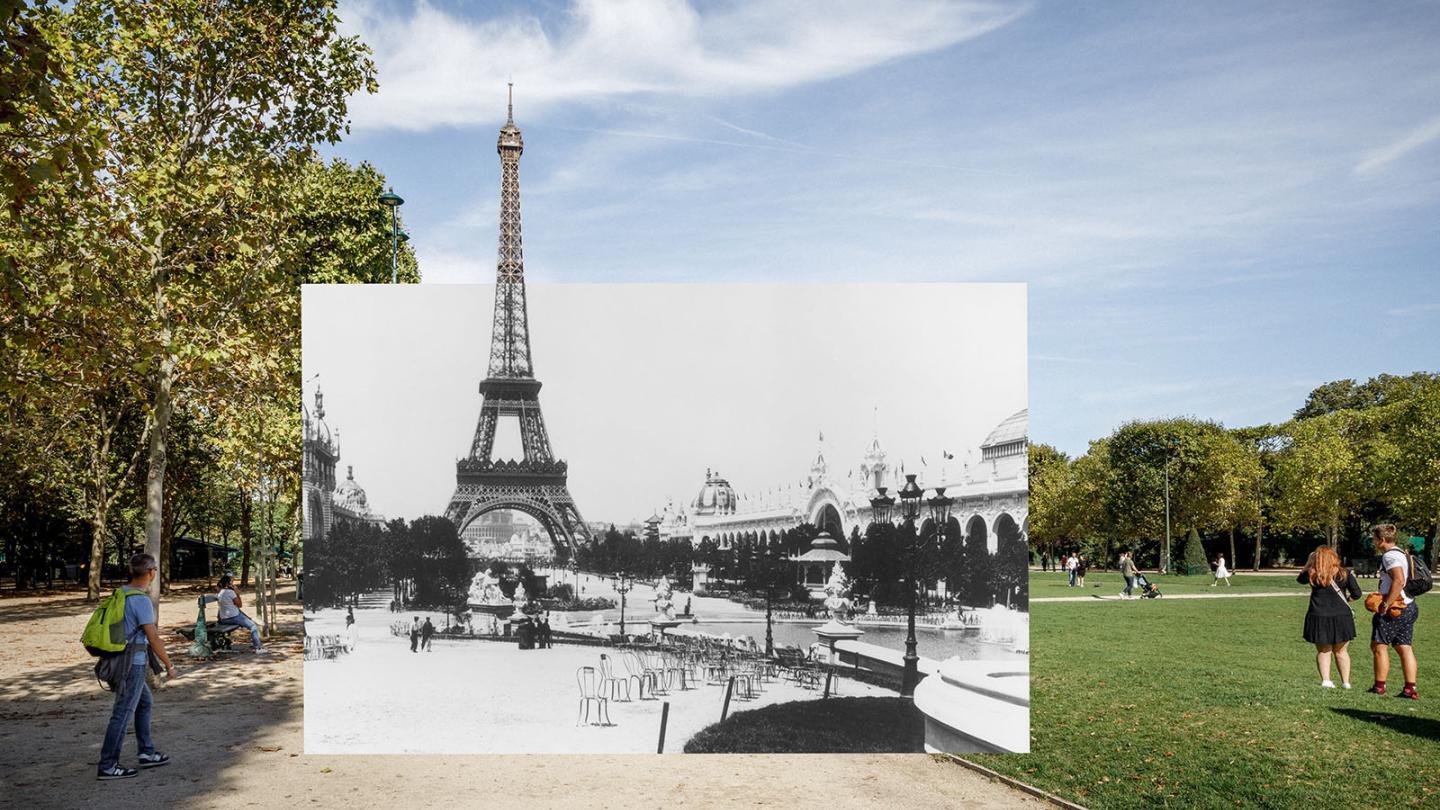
x,y
1330,623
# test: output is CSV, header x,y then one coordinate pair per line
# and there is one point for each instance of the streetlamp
x,y
623,584
914,549
393,201
1165,558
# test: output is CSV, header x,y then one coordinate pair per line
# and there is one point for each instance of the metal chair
x,y
610,683
640,674
590,693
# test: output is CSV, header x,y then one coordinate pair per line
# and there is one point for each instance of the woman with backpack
x,y
1330,623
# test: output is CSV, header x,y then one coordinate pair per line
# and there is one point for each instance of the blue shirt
x,y
138,612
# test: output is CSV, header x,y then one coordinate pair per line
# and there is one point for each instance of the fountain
x,y
486,597
838,604
664,617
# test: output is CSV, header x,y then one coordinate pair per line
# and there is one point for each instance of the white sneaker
x,y
1327,684
1346,685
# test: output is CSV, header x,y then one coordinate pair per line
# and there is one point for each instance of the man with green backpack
x,y
122,633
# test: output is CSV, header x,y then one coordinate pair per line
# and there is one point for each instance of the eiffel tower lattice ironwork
x,y
535,484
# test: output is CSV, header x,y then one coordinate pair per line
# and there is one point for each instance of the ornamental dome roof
x,y
350,495
1014,428
716,497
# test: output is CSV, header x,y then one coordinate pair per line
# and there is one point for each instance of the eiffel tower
x,y
534,484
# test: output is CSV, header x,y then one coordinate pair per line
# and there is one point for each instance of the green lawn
x,y
1109,583
1215,703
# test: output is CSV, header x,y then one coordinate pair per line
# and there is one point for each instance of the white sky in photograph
x,y
645,386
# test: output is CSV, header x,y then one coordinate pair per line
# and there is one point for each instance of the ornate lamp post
x,y
393,201
910,496
623,584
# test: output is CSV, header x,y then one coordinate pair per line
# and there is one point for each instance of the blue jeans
x,y
1129,585
245,622
133,698
1072,577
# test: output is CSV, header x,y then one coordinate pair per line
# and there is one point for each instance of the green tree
x,y
1239,488
207,112
1193,559
1140,456
1408,461
340,234
1319,475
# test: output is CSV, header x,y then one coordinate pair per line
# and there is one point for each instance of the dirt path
x,y
1098,598
234,730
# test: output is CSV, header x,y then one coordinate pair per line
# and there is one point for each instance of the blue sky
x,y
1217,206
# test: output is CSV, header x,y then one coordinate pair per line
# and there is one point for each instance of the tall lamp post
x,y
393,201
915,549
623,584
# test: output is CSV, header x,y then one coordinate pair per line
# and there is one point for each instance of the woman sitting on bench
x,y
230,613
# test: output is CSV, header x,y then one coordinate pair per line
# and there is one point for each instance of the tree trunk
x,y
155,477
167,541
246,528
97,551
1234,561
1435,543
1259,535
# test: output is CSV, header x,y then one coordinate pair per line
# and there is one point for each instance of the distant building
x,y
324,501
507,535
991,495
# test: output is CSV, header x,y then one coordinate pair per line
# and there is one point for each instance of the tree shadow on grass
x,y
1423,727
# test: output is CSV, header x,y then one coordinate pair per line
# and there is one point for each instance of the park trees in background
x,y
1319,477
1141,455
160,203
1355,453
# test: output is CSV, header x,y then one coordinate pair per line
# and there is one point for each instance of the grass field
x,y
1109,583
1216,703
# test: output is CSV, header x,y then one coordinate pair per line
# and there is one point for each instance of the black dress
x,y
1330,619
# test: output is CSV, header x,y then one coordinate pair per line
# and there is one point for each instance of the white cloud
x,y
437,69
1391,152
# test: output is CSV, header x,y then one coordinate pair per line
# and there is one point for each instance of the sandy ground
x,y
489,697
234,730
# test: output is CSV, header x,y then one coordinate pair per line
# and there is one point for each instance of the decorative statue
x,y
837,593
485,590
521,598
663,604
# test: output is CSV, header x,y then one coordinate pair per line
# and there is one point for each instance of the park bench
x,y
217,632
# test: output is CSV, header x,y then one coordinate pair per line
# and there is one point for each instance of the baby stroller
x,y
1148,589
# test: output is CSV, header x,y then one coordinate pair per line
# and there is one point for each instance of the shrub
x,y
1193,560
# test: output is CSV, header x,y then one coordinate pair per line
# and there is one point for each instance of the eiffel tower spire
x,y
510,335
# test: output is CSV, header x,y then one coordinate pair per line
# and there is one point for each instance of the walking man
x,y
1396,631
415,635
133,696
1071,563
426,631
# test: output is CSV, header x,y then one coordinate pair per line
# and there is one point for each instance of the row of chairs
x,y
325,647
688,662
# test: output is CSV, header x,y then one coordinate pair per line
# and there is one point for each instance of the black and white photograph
x,y
671,518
